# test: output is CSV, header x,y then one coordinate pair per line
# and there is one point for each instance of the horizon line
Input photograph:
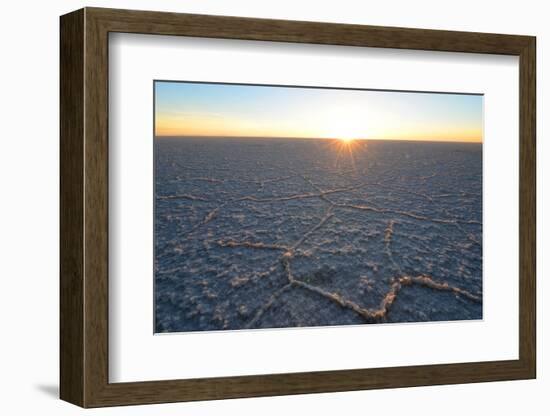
x,y
157,136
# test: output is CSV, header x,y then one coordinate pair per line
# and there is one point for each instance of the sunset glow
x,y
346,139
209,109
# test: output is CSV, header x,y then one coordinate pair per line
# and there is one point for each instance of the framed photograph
x,y
255,207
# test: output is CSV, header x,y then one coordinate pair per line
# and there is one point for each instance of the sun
x,y
346,140
345,148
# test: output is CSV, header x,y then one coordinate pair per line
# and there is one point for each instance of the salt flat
x,y
266,233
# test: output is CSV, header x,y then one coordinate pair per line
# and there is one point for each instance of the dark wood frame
x,y
84,209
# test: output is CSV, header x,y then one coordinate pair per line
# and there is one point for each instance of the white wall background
x,y
29,207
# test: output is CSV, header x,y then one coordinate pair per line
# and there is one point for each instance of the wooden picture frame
x,y
84,207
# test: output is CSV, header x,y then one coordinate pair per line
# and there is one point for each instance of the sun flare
x,y
345,150
346,139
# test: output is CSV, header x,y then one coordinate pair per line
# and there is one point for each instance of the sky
x,y
209,109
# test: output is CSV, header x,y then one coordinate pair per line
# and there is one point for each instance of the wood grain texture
x,y
71,208
527,208
96,208
162,23
84,207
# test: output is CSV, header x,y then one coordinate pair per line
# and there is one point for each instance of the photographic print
x,y
288,206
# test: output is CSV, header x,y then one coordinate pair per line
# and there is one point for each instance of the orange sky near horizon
x,y
208,109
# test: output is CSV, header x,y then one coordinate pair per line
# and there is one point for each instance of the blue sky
x,y
206,109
